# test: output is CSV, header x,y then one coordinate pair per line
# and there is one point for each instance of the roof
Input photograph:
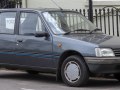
x,y
36,9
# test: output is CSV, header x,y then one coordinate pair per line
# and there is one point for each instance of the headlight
x,y
104,52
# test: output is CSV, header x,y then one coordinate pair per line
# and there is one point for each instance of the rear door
x,y
7,37
33,51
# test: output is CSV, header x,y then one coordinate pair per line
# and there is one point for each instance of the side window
x,y
7,22
30,23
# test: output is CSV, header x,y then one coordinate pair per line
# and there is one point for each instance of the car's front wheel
x,y
74,71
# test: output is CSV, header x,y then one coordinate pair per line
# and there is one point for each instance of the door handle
x,y
19,41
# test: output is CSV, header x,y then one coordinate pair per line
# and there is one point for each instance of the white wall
x,y
102,4
65,4
68,4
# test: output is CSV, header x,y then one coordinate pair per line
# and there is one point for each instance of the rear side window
x,y
7,22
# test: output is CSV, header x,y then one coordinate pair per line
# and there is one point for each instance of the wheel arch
x,y
63,56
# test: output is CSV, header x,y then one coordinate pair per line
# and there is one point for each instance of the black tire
x,y
117,76
32,72
82,70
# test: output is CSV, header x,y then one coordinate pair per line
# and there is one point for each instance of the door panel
x,y
7,47
31,50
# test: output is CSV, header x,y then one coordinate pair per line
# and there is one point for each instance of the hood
x,y
92,38
102,40
114,42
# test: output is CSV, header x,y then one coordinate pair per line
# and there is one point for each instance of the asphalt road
x,y
16,80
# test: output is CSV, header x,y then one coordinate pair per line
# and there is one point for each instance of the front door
x,y
31,50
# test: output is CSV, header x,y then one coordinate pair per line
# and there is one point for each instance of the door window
x,y
7,22
30,23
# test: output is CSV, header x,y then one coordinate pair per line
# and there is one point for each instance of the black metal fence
x,y
108,19
10,3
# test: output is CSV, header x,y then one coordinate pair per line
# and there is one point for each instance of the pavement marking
x,y
26,89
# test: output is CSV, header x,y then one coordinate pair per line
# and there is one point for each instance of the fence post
x,y
84,13
117,22
80,11
96,17
100,19
104,15
108,13
112,10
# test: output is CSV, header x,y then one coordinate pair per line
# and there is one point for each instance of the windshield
x,y
62,22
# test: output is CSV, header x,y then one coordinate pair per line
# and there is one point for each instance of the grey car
x,y
56,41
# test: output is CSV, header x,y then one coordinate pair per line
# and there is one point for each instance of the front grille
x,y
117,52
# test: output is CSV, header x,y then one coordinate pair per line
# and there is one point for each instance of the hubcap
x,y
72,71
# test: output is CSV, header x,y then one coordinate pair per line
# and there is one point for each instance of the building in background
x,y
67,4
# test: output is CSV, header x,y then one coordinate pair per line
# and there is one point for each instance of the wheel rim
x,y
72,71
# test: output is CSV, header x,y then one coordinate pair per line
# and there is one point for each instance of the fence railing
x,y
108,19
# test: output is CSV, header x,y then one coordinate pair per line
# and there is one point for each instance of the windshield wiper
x,y
97,29
76,30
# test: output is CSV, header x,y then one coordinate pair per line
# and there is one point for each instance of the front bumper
x,y
103,65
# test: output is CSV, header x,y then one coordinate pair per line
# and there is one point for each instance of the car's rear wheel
x,y
74,71
117,76
32,72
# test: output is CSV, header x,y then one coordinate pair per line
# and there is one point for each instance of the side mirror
x,y
41,34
